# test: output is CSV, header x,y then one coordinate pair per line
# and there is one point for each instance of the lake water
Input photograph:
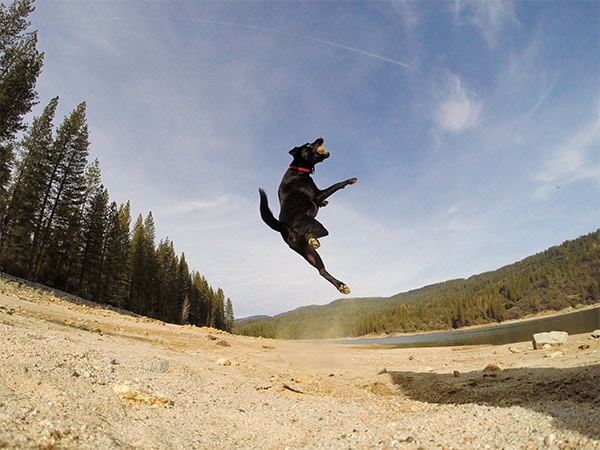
x,y
574,322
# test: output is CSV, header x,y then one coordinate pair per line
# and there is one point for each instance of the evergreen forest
x,y
58,226
564,276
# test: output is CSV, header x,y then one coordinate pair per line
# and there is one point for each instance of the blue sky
x,y
472,127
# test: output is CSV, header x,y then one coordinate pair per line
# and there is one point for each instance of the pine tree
x,y
217,315
144,268
115,278
183,287
55,251
200,300
168,305
92,236
22,216
229,318
20,65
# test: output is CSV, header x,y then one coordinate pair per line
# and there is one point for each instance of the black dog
x,y
300,200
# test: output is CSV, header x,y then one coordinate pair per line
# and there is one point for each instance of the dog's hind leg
x,y
315,231
315,260
314,242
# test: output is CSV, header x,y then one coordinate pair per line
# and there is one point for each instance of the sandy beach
x,y
79,376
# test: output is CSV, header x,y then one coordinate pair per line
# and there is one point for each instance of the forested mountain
x,y
58,226
563,276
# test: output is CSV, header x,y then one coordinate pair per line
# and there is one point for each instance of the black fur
x,y
300,200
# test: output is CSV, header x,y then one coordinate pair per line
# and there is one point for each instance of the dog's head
x,y
308,154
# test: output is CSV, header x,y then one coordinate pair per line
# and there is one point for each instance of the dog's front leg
x,y
325,193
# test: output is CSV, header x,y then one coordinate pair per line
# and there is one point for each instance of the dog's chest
x,y
297,195
297,184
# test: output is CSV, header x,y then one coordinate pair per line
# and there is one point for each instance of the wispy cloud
x,y
546,89
490,17
575,160
408,13
459,108
196,205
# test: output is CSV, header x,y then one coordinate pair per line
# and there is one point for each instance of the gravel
x,y
78,376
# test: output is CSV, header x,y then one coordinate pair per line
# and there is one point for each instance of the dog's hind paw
x,y
344,289
313,242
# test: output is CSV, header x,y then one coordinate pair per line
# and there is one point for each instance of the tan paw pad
x,y
313,242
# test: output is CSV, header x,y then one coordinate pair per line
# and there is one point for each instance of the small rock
x,y
596,334
210,337
514,350
223,362
555,354
223,343
127,390
161,366
490,370
584,346
550,338
456,374
382,371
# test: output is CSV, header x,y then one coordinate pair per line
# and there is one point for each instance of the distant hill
x,y
566,275
258,316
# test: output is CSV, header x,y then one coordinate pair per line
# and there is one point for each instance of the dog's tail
x,y
267,215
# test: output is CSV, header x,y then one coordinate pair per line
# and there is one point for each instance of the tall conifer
x,y
115,279
24,210
144,267
20,65
92,236
182,289
55,251
167,301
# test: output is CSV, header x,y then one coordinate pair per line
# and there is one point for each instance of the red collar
x,y
301,169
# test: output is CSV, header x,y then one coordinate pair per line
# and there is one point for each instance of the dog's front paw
x,y
352,180
344,289
323,204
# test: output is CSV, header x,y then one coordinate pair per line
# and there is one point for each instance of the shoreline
x,y
542,315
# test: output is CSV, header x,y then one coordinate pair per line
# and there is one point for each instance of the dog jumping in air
x,y
299,201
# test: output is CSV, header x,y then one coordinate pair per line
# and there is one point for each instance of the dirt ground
x,y
80,376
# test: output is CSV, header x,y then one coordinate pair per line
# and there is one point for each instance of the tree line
x,y
58,226
567,275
